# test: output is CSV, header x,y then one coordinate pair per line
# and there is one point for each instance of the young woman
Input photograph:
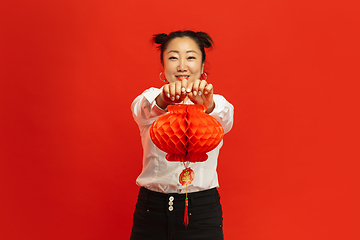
x,y
159,212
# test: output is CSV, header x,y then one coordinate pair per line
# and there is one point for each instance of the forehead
x,y
182,44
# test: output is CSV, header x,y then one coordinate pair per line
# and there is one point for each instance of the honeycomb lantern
x,y
186,133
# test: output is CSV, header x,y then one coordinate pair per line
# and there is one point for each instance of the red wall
x,y
70,151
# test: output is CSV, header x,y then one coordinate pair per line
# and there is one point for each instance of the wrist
x,y
161,101
210,108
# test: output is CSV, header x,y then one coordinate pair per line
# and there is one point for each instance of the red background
x,y
70,151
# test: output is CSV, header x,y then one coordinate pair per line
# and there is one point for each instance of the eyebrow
x,y
188,51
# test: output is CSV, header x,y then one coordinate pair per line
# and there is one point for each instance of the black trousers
x,y
160,216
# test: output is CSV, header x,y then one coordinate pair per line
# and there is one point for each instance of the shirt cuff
x,y
150,95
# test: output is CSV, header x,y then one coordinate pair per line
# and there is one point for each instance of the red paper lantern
x,y
186,133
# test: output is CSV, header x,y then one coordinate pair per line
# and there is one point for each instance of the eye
x,y
172,58
191,57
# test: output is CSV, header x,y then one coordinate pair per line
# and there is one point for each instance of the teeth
x,y
182,76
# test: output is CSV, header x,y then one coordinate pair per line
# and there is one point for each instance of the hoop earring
x,y
162,79
202,76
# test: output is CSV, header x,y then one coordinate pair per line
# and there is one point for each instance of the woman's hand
x,y
174,92
199,92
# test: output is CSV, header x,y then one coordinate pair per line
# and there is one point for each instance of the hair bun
x,y
206,39
159,38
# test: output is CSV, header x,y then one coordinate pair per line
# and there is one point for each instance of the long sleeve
x,y
144,107
223,112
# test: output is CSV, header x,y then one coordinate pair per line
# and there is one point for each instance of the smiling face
x,y
182,59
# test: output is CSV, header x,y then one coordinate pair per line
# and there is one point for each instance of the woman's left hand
x,y
200,92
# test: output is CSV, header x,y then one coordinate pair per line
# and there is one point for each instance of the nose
x,y
182,65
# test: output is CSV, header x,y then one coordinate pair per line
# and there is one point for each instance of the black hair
x,y
202,39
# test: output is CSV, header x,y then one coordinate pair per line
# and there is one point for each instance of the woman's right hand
x,y
174,92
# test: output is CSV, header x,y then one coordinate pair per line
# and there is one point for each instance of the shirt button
x,y
171,198
171,203
171,208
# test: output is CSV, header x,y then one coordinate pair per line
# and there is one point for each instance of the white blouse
x,y
160,175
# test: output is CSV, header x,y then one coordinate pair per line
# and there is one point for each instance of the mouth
x,y
182,77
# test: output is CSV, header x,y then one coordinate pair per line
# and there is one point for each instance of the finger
x,y
195,87
202,86
183,89
172,91
183,86
189,87
178,86
209,89
166,92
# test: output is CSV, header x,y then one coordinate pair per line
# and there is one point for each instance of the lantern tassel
x,y
186,215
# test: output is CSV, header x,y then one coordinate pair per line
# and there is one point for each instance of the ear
x,y
202,68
